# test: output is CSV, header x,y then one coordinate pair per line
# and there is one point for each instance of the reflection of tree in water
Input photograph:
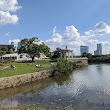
x,y
33,87
61,79
23,89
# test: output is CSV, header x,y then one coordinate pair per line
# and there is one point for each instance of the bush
x,y
62,66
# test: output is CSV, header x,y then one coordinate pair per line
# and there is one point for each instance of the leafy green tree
x,y
88,55
57,53
33,47
2,52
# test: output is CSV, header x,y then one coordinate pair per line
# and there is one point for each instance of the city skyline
x,y
57,23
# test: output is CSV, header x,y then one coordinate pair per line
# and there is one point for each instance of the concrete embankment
x,y
18,80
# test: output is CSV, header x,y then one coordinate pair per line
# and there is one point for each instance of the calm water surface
x,y
87,88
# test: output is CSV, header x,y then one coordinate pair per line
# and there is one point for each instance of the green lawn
x,y
23,68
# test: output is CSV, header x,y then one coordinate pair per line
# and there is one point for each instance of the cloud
x,y
73,39
36,41
101,29
70,37
73,36
56,39
7,18
92,41
7,34
6,7
9,5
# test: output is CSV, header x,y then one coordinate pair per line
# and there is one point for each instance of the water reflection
x,y
86,88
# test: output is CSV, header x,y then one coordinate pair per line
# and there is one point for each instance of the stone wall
x,y
82,61
17,80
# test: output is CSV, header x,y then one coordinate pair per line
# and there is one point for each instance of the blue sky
x,y
57,22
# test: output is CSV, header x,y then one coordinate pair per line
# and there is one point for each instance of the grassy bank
x,y
23,68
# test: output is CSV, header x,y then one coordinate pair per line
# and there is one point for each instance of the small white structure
x,y
43,56
15,57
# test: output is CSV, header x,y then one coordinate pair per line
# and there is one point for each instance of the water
x,y
87,88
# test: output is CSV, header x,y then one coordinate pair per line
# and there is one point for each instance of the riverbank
x,y
76,89
26,108
35,108
18,80
28,72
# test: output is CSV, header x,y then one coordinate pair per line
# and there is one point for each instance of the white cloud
x,y
9,5
101,29
56,39
73,36
36,41
55,29
7,18
7,34
6,7
73,39
72,32
92,41
70,37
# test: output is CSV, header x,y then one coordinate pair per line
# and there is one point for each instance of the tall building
x,y
19,45
84,49
12,43
99,50
6,47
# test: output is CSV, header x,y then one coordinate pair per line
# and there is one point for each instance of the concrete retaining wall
x,y
17,80
82,61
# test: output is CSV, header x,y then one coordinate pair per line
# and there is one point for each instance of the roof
x,y
10,55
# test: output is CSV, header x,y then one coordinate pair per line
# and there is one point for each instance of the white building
x,y
15,57
20,57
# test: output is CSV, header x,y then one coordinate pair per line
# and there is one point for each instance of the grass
x,y
23,68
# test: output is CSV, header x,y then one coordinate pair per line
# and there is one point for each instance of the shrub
x,y
62,66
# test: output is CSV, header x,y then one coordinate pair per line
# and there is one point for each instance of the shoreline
x,y
17,80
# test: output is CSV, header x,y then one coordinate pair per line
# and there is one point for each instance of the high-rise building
x,y
19,45
12,43
99,50
84,49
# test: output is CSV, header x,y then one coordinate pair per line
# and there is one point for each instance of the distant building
x,y
99,50
15,57
19,45
6,47
12,43
84,49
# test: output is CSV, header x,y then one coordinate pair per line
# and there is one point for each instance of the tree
x,y
88,55
2,52
57,53
33,47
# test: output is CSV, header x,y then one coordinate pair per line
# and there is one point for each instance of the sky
x,y
57,23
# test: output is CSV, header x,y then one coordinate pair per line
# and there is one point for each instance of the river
x,y
87,88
